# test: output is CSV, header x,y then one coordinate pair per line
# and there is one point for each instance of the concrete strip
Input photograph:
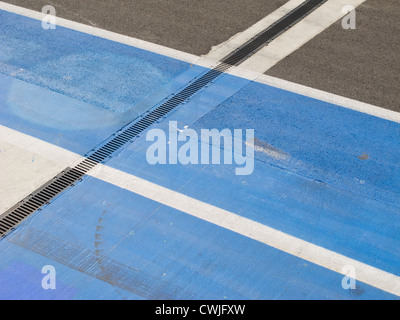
x,y
220,51
26,164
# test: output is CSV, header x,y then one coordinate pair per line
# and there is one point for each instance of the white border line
x,y
230,221
274,238
209,63
330,98
248,228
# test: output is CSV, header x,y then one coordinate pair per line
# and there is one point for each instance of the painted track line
x,y
330,98
209,62
217,216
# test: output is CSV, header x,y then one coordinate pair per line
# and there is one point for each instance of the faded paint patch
x,y
269,150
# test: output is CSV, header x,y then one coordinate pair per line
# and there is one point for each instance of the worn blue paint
x,y
74,90
100,72
324,141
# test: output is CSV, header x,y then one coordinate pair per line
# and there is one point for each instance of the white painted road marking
x,y
225,219
26,164
249,228
330,98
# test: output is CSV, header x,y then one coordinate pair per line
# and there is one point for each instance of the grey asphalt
x,y
362,64
188,25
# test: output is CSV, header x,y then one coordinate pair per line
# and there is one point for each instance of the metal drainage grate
x,y
273,31
41,197
38,199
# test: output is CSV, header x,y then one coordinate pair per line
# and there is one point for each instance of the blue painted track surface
x,y
109,243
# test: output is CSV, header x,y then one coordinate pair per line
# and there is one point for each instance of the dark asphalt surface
x,y
188,25
362,64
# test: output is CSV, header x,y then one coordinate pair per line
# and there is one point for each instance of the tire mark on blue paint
x,y
74,256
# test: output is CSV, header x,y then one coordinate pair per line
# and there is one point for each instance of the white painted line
x,y
302,32
225,219
35,145
26,164
209,62
249,228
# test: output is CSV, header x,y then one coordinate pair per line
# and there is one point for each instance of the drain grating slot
x,y
266,36
70,176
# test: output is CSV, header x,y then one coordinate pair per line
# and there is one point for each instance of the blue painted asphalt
x,y
73,89
106,242
100,72
138,249
321,192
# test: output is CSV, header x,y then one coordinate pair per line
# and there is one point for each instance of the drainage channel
x,y
72,175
